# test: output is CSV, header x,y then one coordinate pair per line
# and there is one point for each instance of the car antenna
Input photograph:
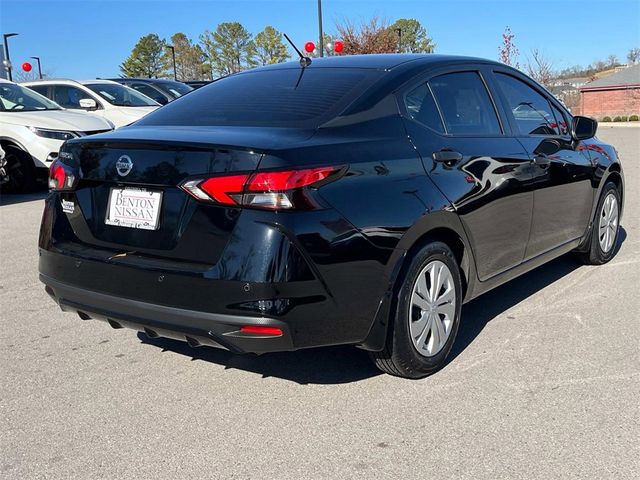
x,y
304,61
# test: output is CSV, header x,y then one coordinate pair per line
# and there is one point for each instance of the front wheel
x,y
426,320
17,172
605,229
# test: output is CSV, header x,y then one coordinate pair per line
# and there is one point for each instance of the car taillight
x,y
271,190
61,177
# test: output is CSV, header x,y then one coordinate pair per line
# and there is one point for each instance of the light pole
x,y
37,59
399,32
7,60
321,40
173,56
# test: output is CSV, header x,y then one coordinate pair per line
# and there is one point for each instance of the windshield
x,y
14,98
175,89
121,96
283,97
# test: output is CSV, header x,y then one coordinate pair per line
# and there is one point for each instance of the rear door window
x,y
422,108
465,104
531,110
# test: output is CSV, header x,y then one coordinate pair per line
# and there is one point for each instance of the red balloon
x,y
26,66
309,47
338,46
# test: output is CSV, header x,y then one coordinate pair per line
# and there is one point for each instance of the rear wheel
x,y
427,316
18,171
604,232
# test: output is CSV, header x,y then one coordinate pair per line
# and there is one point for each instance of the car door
x,y
561,168
68,96
472,158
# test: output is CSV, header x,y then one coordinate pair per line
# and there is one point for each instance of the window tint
x,y
290,97
465,104
561,120
120,96
146,90
530,109
41,89
422,108
68,97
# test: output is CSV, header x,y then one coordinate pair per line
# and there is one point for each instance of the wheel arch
x,y
443,226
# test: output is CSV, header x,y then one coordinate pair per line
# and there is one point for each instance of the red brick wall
x,y
610,103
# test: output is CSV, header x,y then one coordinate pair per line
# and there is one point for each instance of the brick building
x,y
615,95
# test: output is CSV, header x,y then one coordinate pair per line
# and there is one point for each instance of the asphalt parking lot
x,y
544,382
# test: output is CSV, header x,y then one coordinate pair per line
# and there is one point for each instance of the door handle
x,y
542,161
447,156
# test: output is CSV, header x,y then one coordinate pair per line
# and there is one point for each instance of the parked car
x,y
161,90
119,104
32,129
360,200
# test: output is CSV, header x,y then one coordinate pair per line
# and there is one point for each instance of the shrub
x,y
617,119
606,119
634,118
624,118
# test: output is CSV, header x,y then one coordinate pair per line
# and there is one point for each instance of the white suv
x,y
119,104
32,130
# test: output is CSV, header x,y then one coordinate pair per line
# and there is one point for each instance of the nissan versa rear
x,y
356,200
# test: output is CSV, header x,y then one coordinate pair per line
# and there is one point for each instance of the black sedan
x,y
356,200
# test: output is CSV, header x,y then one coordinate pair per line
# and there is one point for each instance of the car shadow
x,y
13,198
479,312
346,364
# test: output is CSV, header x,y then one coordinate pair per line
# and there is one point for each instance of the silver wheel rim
x,y
433,308
608,226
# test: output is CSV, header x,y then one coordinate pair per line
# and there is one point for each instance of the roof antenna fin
x,y
304,61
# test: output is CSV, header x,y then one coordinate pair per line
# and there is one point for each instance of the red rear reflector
x,y
287,180
259,330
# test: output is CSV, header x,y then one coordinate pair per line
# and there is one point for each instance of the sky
x,y
84,39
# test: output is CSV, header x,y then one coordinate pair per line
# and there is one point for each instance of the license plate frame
x,y
139,208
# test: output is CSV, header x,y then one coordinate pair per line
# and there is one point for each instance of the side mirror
x,y
88,104
161,100
583,128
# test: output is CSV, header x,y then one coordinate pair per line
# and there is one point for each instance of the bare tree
x,y
612,61
373,36
540,68
508,52
634,55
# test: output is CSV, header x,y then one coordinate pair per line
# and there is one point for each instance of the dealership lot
x,y
543,382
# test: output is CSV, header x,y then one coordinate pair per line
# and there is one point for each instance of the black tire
x,y
595,255
20,172
400,357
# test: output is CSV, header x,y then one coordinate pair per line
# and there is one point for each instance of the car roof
x,y
69,81
148,80
383,61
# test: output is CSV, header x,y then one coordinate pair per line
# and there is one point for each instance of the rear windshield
x,y
296,97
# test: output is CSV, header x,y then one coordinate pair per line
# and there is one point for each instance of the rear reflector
x,y
271,190
259,330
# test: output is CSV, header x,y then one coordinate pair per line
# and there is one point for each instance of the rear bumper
x,y
197,328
